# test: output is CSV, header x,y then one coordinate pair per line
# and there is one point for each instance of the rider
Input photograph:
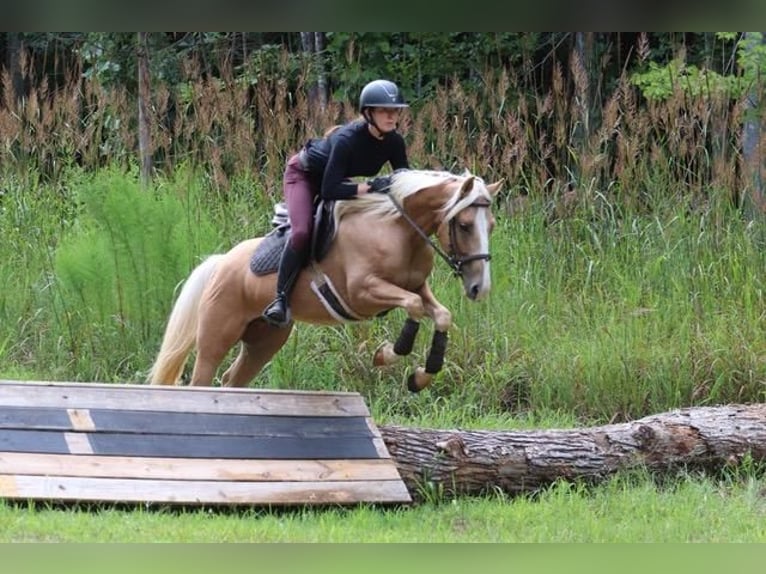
x,y
324,166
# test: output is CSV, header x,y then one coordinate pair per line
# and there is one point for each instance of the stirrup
x,y
277,313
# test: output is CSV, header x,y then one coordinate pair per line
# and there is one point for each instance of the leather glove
x,y
380,184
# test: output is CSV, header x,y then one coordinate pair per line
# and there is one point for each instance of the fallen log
x,y
478,461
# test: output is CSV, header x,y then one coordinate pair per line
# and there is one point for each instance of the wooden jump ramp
x,y
89,442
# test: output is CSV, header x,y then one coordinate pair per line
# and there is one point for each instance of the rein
x,y
456,263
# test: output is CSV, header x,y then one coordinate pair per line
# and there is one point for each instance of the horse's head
x,y
457,208
465,232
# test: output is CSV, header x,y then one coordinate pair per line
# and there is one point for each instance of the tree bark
x,y
481,461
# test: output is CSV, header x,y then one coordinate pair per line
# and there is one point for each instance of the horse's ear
x,y
467,186
493,188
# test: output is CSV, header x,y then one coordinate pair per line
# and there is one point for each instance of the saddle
x,y
265,258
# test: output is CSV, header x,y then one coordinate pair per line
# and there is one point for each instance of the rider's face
x,y
386,118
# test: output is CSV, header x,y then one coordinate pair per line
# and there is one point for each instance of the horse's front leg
x,y
442,318
389,353
381,293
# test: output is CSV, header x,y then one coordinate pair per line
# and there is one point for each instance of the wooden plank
x,y
109,420
181,399
78,443
380,448
173,388
177,446
33,417
372,429
199,492
182,445
8,487
40,441
81,420
229,424
279,448
195,469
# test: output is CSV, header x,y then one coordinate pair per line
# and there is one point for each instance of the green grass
x,y
607,315
631,508
592,319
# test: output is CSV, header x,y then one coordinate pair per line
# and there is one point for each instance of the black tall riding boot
x,y
278,311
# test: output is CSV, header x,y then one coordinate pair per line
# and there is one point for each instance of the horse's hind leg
x,y
218,331
388,353
260,342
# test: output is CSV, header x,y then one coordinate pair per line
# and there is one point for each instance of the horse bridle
x,y
453,260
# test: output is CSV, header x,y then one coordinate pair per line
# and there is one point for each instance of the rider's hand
x,y
380,184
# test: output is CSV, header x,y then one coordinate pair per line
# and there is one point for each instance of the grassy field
x,y
632,508
591,319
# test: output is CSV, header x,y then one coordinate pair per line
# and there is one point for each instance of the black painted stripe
x,y
175,446
36,417
227,424
49,442
160,422
275,448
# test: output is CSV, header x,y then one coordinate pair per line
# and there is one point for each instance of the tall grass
x,y
243,125
625,280
666,308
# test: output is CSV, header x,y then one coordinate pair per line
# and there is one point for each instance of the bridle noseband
x,y
453,260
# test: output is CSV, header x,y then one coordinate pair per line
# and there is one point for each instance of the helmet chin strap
x,y
368,116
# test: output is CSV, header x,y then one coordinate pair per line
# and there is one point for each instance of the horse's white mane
x,y
407,182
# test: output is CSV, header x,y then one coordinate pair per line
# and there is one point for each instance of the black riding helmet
x,y
383,94
380,94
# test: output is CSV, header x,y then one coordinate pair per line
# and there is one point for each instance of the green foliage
x,y
661,81
269,62
117,270
109,58
751,56
418,61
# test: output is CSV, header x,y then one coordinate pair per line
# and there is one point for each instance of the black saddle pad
x,y
265,258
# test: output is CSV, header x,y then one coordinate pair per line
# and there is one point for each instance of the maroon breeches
x,y
299,195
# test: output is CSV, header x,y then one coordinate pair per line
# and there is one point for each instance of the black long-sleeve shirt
x,y
352,151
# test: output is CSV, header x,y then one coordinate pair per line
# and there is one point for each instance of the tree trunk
x,y
477,462
313,45
585,72
13,64
321,75
144,102
754,203
586,108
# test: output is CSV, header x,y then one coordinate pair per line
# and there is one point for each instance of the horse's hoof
x,y
383,355
418,380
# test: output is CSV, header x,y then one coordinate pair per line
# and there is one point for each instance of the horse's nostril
x,y
474,292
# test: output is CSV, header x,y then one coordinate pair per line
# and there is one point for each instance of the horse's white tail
x,y
181,332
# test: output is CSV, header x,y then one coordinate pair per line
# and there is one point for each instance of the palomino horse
x,y
381,257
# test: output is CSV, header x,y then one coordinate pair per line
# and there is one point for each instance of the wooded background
x,y
518,80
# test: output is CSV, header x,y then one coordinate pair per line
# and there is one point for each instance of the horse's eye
x,y
465,227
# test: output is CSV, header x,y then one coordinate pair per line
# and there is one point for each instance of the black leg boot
x,y
278,311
